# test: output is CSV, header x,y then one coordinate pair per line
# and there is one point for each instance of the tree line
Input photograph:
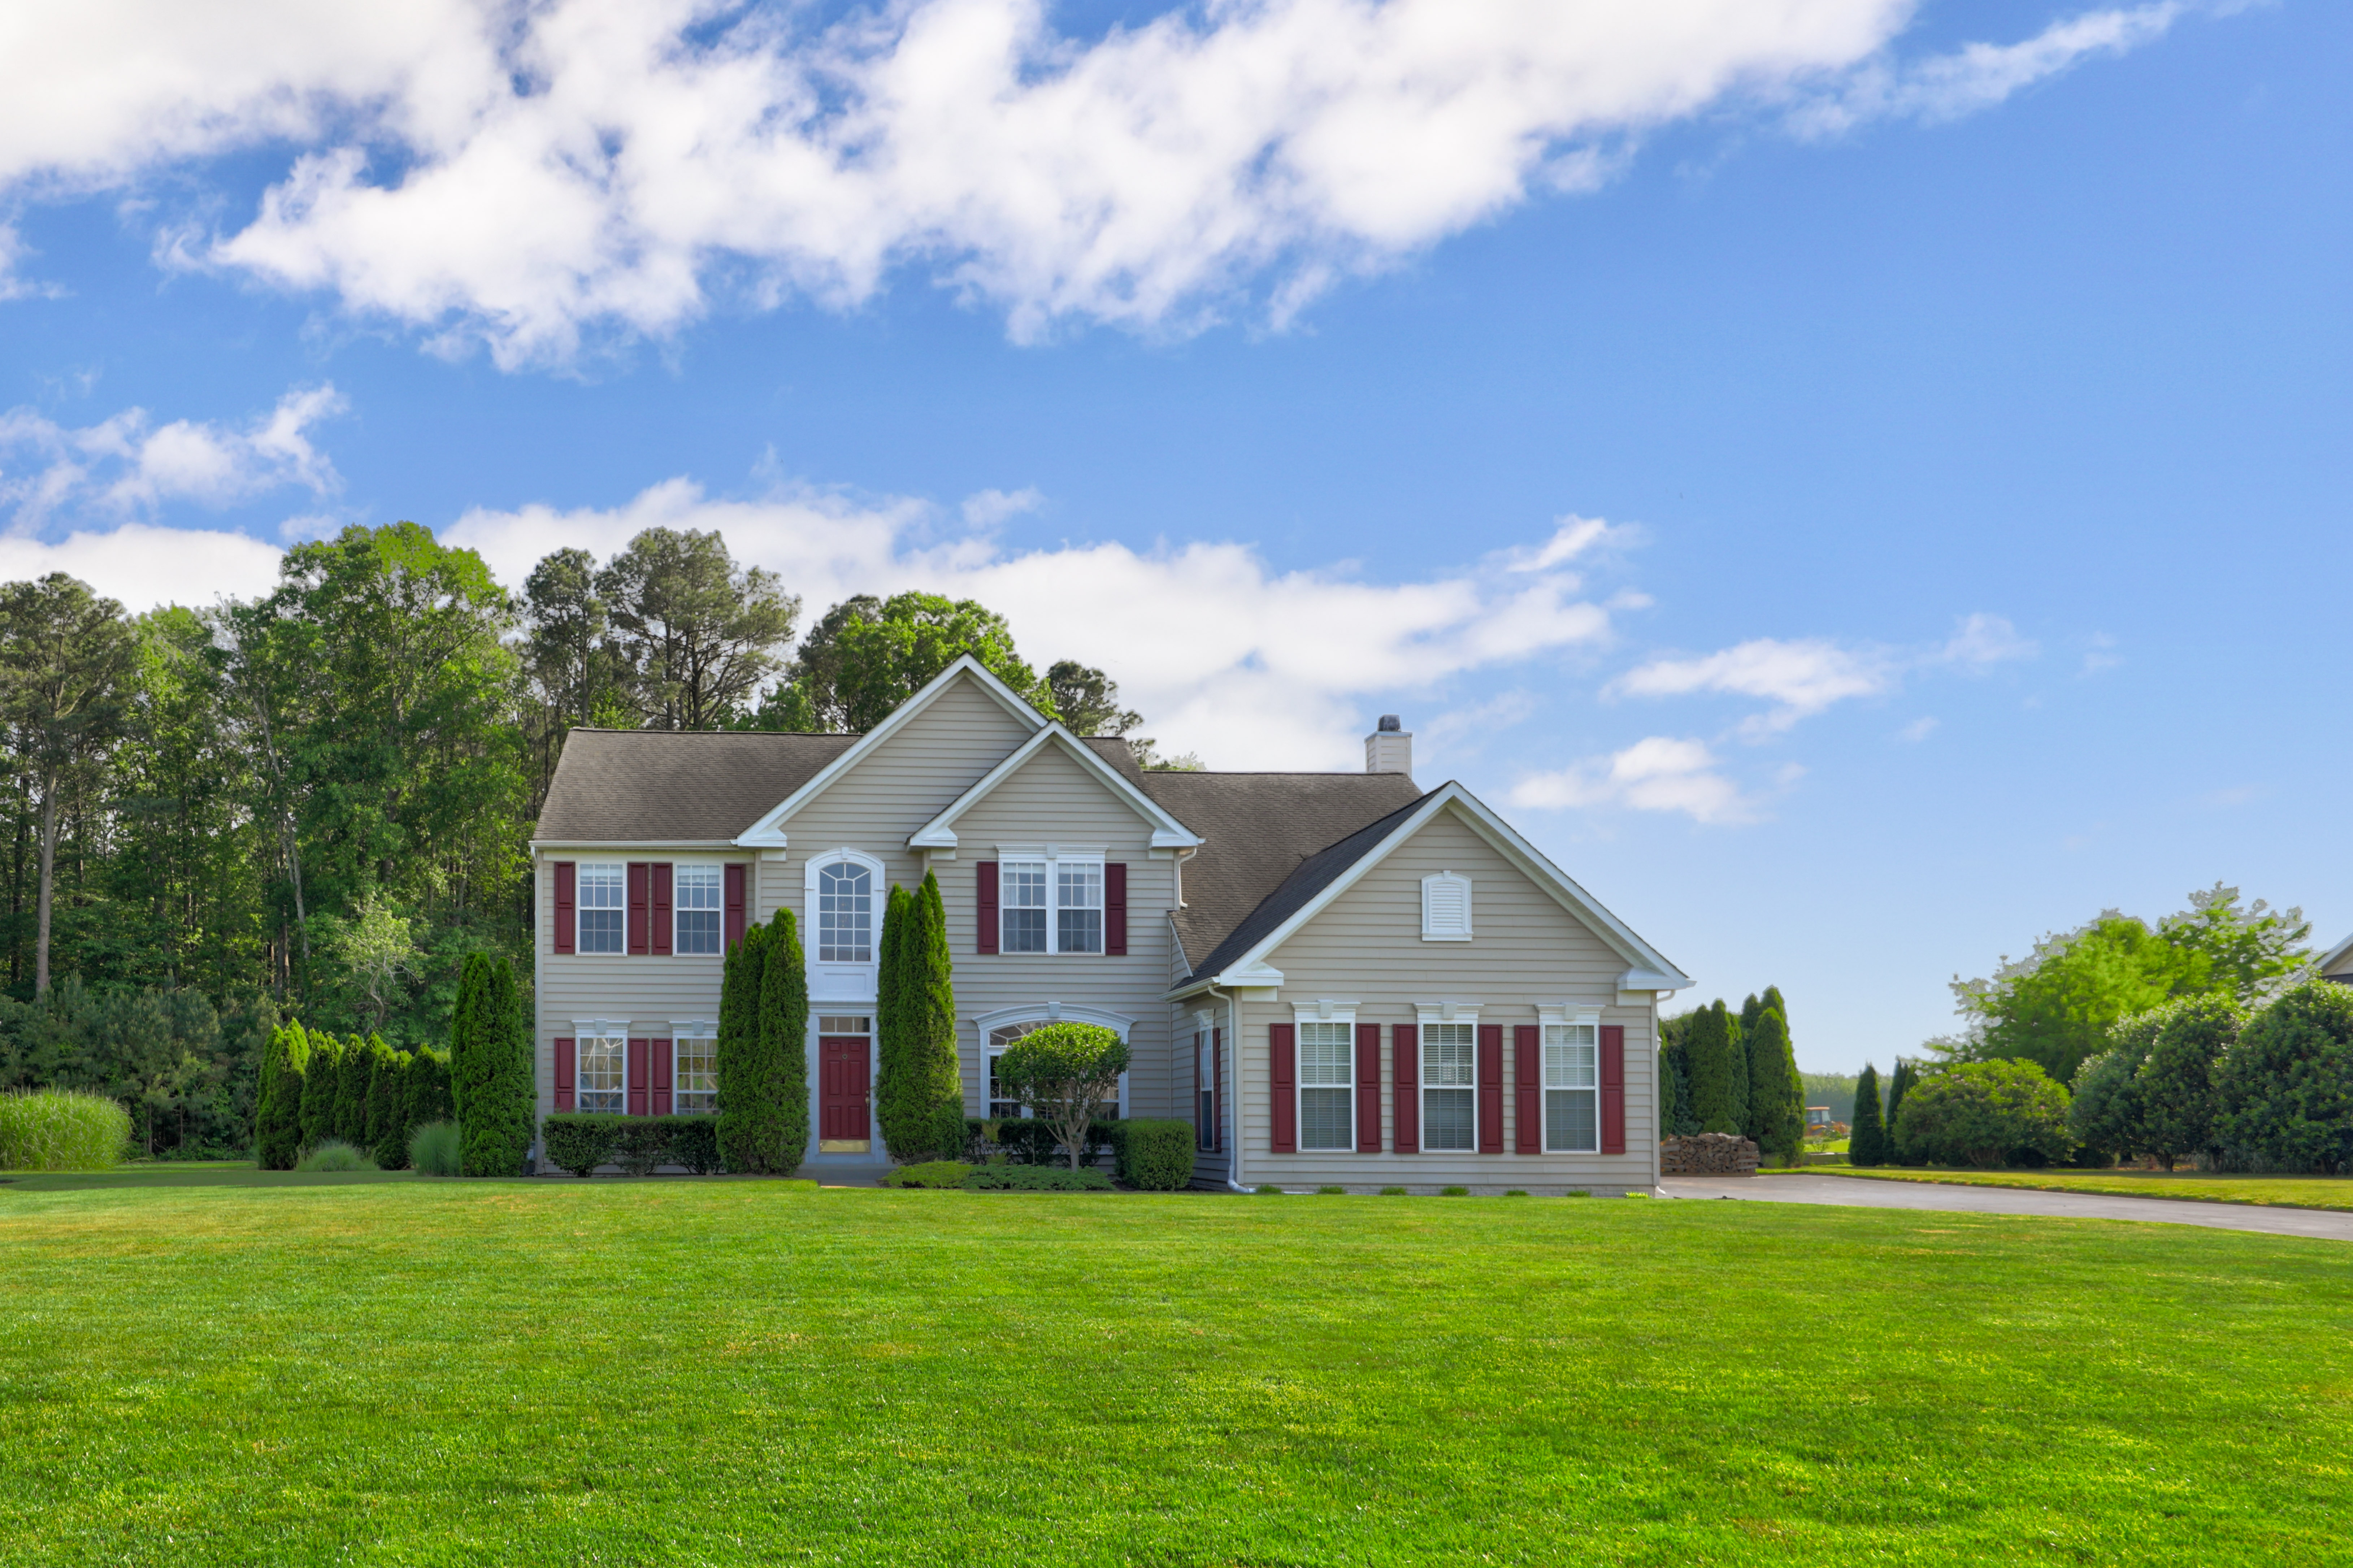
x,y
1729,1072
315,804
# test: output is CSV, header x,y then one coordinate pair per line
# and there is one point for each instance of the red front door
x,y
841,1114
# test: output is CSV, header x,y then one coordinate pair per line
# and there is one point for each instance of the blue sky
x,y
1860,494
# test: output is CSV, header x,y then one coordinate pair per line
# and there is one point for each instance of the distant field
x,y
421,1372
2294,1192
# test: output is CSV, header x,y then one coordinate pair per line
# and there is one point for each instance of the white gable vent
x,y
1446,907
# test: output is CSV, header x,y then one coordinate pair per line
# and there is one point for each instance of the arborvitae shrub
x,y
737,1047
891,1097
277,1109
424,1090
1776,1095
935,1078
1736,1055
388,1109
1866,1142
352,1071
764,1084
490,1052
1707,1042
1155,1154
1899,1084
322,1077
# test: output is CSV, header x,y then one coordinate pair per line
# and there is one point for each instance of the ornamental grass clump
x,y
62,1130
334,1154
435,1150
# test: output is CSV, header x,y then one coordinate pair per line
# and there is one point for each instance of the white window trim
x,y
579,949
810,934
1053,856
1324,1010
1468,925
600,1029
697,862
1425,1014
1050,1013
691,1030
1547,1015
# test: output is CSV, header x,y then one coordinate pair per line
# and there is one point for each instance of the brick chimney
x,y
1388,748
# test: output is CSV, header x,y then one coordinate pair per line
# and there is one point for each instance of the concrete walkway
x,y
1861,1191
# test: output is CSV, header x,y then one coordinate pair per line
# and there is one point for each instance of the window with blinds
x,y
1572,1089
1327,1086
1449,1087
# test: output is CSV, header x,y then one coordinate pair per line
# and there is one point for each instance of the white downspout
x,y
1233,1149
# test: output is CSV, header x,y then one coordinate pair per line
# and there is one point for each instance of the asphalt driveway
x,y
1863,1192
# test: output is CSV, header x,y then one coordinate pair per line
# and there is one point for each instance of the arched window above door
x,y
844,905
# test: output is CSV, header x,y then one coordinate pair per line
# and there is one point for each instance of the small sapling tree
x,y
1066,1072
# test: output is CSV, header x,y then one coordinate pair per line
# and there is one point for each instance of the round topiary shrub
x,y
1982,1113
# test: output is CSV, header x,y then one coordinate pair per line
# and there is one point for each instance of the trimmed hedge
x,y
1036,1179
1153,1154
579,1141
931,1173
1029,1142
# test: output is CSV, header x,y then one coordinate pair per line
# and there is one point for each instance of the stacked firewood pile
x,y
1707,1154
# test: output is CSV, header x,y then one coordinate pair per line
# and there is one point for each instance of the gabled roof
x,y
1168,833
1240,959
670,786
2336,959
768,830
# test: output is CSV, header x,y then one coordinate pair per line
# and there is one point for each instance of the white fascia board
x,y
1168,833
620,846
768,831
2336,955
1251,971
1500,836
1651,980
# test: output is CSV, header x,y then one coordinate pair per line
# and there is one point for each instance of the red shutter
x,y
1527,1070
638,879
733,894
661,909
1217,1088
1613,1088
1368,1088
661,1077
1115,909
984,889
564,1075
637,1077
567,891
1491,1088
1405,1085
1284,1038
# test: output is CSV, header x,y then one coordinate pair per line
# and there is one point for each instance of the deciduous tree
x,y
701,633
1065,1073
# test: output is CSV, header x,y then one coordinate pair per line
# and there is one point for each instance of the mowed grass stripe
x,y
708,1373
2196,1186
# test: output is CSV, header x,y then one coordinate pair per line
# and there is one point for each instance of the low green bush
x,y
62,1130
1153,1154
1516,1192
435,1150
1453,1192
1035,1179
1393,1191
1029,1142
694,1143
643,1144
1577,1193
579,1140
1325,1192
1269,1187
334,1154
931,1173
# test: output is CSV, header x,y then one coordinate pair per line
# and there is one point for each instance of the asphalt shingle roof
x,y
664,787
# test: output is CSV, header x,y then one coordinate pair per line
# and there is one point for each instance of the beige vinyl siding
x,y
1055,799
649,992
1526,949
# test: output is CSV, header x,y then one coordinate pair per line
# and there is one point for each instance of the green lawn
x,y
718,1372
2292,1191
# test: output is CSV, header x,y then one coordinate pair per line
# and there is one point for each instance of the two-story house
x,y
1338,978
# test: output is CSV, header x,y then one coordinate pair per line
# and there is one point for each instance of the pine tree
x,y
425,1091
899,1107
320,1076
1736,1057
352,1074
1866,1142
932,997
490,1069
388,1107
278,1110
1899,1084
1776,1095
736,1051
1676,1092
1707,1042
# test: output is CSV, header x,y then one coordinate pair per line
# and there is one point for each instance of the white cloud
x,y
518,175
1228,657
1917,730
127,463
1804,676
1658,773
987,509
145,565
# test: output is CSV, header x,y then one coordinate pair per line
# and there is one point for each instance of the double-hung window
x,y
603,908
1055,905
695,909
1327,1085
845,913
694,1076
598,1079
1450,1088
1572,1089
